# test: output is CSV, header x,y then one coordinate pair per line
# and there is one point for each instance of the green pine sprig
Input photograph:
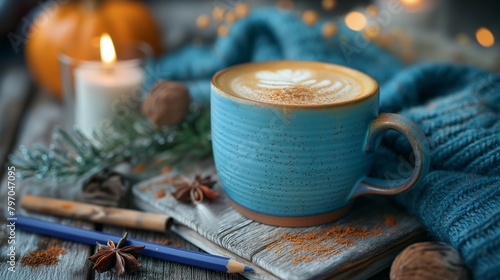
x,y
130,138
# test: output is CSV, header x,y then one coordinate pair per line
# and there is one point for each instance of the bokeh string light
x,y
218,13
329,4
411,3
241,10
329,29
485,37
355,21
360,20
310,17
285,4
203,21
414,6
372,10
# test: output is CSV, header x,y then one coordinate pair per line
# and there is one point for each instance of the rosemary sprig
x,y
130,138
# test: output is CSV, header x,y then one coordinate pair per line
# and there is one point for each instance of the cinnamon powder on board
x,y
389,220
167,242
307,246
160,193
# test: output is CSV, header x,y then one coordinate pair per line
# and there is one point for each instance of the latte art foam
x,y
296,86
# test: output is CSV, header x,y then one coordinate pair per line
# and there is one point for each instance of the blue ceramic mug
x,y
293,140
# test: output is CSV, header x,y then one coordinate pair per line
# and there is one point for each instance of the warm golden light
x,y
203,21
415,6
371,31
355,21
372,10
329,29
241,10
218,13
310,17
230,17
329,4
411,3
485,37
285,4
108,54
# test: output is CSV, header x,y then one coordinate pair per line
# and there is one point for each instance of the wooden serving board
x,y
355,247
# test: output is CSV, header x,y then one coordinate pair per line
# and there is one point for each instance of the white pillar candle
x,y
99,91
100,87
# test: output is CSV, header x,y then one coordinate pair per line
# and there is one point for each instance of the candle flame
x,y
108,54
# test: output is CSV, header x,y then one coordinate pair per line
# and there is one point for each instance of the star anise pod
x,y
105,188
122,258
196,190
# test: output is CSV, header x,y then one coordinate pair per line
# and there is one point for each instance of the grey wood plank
x,y
42,115
201,242
15,90
72,265
160,269
266,247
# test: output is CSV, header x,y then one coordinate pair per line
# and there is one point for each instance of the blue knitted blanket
x,y
458,108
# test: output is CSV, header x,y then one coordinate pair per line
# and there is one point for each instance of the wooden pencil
x,y
99,214
154,250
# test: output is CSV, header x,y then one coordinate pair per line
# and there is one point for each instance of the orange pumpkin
x,y
76,23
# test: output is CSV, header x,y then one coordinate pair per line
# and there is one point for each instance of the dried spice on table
x,y
160,193
167,242
306,246
390,220
105,188
194,191
49,256
122,258
145,187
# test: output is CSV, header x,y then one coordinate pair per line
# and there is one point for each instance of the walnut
x,y
167,103
428,260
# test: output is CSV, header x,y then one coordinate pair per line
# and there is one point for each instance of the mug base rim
x,y
291,221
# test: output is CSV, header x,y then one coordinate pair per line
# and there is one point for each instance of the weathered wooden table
x,y
28,116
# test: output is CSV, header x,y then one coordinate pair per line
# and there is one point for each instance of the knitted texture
x,y
457,107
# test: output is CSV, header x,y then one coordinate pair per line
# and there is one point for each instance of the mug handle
x,y
419,144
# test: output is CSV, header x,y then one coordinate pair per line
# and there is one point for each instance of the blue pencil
x,y
151,249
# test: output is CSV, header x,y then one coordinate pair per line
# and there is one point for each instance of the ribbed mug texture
x,y
290,161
